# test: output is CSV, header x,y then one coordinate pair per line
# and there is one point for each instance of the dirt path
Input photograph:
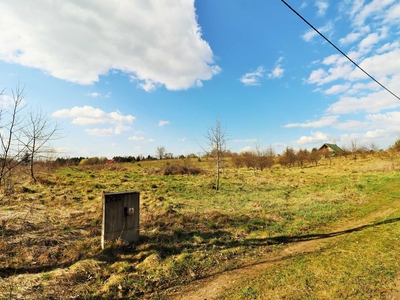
x,y
211,287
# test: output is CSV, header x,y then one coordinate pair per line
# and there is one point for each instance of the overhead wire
x,y
337,48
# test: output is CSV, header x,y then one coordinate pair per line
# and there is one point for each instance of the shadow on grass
x,y
170,240
294,239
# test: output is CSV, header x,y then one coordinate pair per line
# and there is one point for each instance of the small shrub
x,y
179,169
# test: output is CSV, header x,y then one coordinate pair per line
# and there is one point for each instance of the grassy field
x,y
50,232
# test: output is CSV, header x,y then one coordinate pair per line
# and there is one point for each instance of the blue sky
x,y
125,77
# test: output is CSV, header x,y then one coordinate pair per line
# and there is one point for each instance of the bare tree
x,y
22,138
288,157
160,152
37,133
216,141
302,155
264,157
11,150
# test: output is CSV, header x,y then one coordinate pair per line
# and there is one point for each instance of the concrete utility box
x,y
120,217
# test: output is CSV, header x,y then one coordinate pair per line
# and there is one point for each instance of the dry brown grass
x,y
50,231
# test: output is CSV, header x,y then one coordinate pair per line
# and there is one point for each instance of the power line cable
x,y
344,54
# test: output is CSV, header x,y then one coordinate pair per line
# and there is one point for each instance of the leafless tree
x,y
11,150
302,156
22,137
264,157
160,152
288,157
37,133
216,140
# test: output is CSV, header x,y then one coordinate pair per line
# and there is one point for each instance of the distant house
x,y
335,149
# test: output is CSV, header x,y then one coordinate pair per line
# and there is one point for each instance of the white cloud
x,y
321,77
377,133
332,59
162,123
148,85
373,102
88,115
389,120
310,34
393,14
141,139
316,137
363,88
350,38
322,7
157,42
388,47
100,132
336,89
324,121
246,141
373,38
136,138
277,72
246,149
252,78
382,65
94,95
375,7
351,125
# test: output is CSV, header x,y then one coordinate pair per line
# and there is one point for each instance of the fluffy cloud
x,y
252,78
350,38
162,123
373,38
277,72
316,137
88,115
310,34
141,139
246,149
393,14
136,138
324,121
338,88
374,102
157,42
381,65
322,7
340,71
388,47
351,125
374,8
94,95
100,132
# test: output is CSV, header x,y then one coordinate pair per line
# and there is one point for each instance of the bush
x,y
396,146
179,169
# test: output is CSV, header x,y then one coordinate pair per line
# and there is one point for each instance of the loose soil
x,y
212,287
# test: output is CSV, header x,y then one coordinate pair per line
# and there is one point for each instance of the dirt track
x,y
211,287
